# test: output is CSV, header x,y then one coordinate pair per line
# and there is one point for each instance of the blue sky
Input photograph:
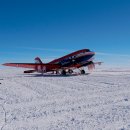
x,y
53,28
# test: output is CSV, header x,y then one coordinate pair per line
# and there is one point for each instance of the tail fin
x,y
38,60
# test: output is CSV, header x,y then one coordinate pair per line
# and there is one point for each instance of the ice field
x,y
98,101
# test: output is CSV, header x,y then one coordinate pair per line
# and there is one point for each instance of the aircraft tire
x,y
70,71
63,72
82,71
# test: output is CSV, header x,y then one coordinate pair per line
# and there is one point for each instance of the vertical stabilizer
x,y
38,60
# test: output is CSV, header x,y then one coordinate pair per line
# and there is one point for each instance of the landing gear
x,y
82,71
70,71
55,72
63,72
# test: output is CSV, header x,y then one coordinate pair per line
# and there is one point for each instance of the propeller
x,y
91,66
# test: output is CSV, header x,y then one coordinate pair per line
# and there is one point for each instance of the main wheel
x,y
57,72
82,71
63,72
70,71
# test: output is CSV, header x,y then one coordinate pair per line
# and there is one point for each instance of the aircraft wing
x,y
22,65
32,65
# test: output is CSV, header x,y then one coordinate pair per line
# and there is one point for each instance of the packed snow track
x,y
99,101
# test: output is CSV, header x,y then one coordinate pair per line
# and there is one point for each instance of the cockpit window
x,y
87,50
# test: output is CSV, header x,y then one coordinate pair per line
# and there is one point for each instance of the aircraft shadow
x,y
52,75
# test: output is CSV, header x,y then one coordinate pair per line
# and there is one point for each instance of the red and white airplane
x,y
63,65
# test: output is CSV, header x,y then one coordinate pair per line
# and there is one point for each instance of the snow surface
x,y
99,101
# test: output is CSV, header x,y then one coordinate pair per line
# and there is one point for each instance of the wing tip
x,y
5,64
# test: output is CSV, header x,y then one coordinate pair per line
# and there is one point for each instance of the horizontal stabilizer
x,y
29,71
99,63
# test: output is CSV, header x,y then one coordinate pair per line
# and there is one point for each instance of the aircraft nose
x,y
92,53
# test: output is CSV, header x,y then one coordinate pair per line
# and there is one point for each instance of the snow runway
x,y
99,101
